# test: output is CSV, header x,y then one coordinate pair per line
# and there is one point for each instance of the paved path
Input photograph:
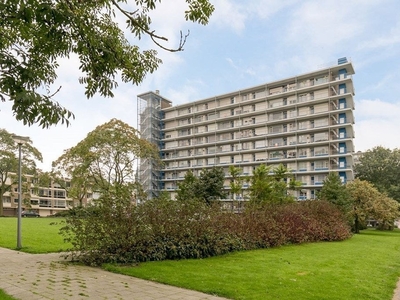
x,y
45,276
396,295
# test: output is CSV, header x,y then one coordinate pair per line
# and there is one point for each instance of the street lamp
x,y
20,140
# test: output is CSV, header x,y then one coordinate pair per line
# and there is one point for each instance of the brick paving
x,y
48,276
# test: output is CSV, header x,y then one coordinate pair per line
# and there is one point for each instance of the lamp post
x,y
20,140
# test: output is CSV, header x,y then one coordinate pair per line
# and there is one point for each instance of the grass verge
x,y
39,235
367,266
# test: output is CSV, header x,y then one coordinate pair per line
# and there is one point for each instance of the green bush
x,y
164,229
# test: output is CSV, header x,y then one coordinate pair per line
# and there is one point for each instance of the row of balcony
x,y
200,163
292,124
281,115
260,131
298,140
287,153
277,91
300,171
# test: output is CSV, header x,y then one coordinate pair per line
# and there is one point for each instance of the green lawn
x,y
4,296
367,266
39,235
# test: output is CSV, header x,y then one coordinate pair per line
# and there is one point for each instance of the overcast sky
x,y
248,43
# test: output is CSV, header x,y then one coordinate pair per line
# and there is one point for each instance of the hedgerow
x,y
162,229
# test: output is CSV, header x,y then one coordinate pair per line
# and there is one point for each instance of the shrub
x,y
164,229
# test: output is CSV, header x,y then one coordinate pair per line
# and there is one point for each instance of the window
x,y
304,180
276,142
292,140
303,152
211,150
276,155
303,139
323,136
321,165
224,137
319,179
183,132
320,151
321,79
59,203
276,116
303,125
302,166
275,103
275,129
211,138
212,116
185,121
44,203
303,98
292,113
224,125
182,153
59,194
44,193
260,144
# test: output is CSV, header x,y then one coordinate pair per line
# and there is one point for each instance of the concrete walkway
x,y
45,276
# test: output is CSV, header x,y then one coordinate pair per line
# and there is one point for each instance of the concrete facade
x,y
304,122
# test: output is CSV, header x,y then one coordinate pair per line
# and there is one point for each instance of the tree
x,y
210,185
9,164
260,188
363,194
385,210
207,187
35,33
284,182
271,186
236,183
381,167
334,191
105,161
187,187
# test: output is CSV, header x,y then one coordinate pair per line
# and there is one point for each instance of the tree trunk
x,y
356,224
1,205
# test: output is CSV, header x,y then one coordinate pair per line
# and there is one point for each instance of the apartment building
x,y
46,200
304,122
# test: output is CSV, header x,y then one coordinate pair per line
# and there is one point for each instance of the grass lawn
x,y
4,296
39,235
367,266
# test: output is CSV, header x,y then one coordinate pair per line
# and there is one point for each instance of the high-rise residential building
x,y
304,122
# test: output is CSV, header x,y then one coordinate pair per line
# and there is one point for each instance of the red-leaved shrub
x,y
159,230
